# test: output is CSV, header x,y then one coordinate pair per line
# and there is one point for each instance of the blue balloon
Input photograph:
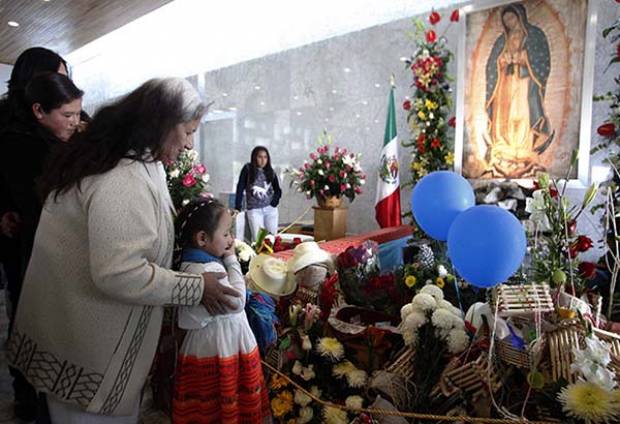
x,y
486,245
437,199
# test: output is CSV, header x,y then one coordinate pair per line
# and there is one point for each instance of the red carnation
x,y
587,270
583,243
343,188
407,104
431,36
436,143
189,180
607,130
434,18
331,178
572,251
454,17
452,122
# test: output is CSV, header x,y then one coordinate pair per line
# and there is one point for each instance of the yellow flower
x,y
416,166
449,158
421,115
278,382
439,282
410,281
342,369
588,402
330,347
282,404
333,415
430,105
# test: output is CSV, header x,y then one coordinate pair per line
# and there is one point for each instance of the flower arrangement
x,y
331,172
431,103
556,242
187,178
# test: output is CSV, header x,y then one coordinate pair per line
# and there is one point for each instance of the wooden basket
x,y
402,365
470,378
522,299
569,335
513,356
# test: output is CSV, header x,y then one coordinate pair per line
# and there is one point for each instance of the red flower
x,y
452,122
296,241
434,18
189,180
331,178
358,190
313,156
436,143
454,17
420,141
583,243
587,270
407,104
553,192
431,36
607,130
342,174
343,188
572,251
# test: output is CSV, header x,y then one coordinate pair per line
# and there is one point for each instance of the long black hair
x,y
268,170
198,215
134,127
51,90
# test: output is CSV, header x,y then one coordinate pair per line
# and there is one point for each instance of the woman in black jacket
x,y
262,192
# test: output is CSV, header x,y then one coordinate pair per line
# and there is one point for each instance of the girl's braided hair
x,y
198,215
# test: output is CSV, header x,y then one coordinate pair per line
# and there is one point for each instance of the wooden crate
x,y
522,299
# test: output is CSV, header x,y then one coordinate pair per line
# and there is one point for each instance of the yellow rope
x,y
416,415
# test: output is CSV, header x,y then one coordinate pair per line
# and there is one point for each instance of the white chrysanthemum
x,y
333,415
305,415
458,340
297,367
444,304
342,369
443,319
357,378
307,373
424,302
174,173
414,321
406,310
434,291
301,398
409,337
330,347
316,392
356,402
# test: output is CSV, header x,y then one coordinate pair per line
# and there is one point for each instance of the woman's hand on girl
x,y
217,297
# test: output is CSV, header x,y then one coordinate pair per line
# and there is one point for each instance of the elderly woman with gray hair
x,y
91,309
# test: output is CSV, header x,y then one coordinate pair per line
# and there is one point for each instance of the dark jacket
x,y
244,182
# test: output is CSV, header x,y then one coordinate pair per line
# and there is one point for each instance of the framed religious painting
x,y
524,99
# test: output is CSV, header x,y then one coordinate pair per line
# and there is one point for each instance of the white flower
x,y
362,181
349,160
321,173
301,398
305,415
444,304
185,202
244,251
174,173
297,367
409,337
443,319
442,271
356,402
458,340
316,392
342,369
348,185
424,302
307,373
434,291
333,415
535,206
357,378
326,188
192,155
319,161
306,344
431,115
205,178
592,363
308,193
406,310
414,320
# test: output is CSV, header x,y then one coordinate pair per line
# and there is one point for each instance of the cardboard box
x,y
329,224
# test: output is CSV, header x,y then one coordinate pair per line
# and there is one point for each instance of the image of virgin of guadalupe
x,y
517,69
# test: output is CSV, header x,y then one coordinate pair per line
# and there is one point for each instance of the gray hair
x,y
193,106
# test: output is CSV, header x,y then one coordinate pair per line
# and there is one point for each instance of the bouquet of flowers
x,y
329,173
557,244
428,109
187,178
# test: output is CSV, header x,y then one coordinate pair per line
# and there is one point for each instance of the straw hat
x,y
269,275
308,253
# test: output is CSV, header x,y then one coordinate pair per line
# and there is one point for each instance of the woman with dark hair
x,y
46,120
262,192
99,274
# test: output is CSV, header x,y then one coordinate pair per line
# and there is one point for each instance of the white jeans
x,y
266,217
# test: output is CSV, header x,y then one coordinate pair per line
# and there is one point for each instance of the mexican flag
x,y
387,203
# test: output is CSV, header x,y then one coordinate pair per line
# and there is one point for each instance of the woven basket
x,y
470,378
522,299
513,356
402,364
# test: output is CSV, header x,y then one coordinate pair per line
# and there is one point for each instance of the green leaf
x,y
285,343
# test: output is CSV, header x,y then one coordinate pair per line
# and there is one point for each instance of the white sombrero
x,y
269,275
309,253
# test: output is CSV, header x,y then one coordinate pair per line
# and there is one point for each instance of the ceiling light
x,y
298,113
334,91
377,85
331,108
357,115
364,102
262,103
257,87
232,108
224,94
295,97
347,70
13,24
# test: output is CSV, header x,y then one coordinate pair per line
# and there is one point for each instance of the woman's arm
x,y
277,191
241,186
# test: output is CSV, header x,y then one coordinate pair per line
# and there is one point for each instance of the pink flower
x,y
343,187
343,151
312,183
327,164
331,178
189,180
358,190
200,169
342,174
306,165
313,156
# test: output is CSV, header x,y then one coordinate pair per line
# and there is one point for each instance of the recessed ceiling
x,y
63,25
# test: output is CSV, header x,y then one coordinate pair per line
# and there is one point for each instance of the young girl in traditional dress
x,y
219,377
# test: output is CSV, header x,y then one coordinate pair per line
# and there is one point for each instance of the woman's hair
x,y
269,174
134,127
51,90
198,215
